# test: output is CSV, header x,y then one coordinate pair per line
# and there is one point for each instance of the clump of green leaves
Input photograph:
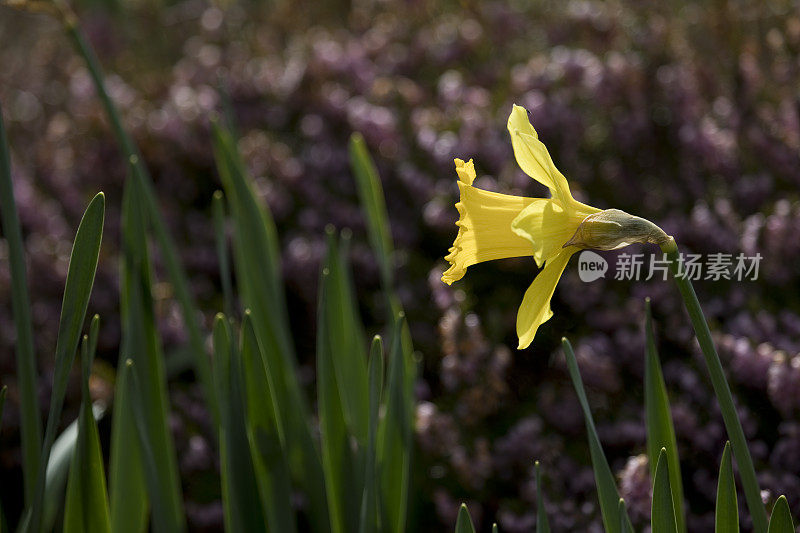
x,y
350,475
354,475
667,511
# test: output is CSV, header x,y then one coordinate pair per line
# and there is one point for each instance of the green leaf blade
x,y
267,443
240,495
338,391
464,521
662,514
257,267
86,507
781,519
370,192
126,481
373,203
727,509
30,423
658,419
256,243
141,343
345,339
166,244
370,519
394,438
606,487
77,290
167,515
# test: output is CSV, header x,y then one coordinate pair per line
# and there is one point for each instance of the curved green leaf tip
x,y
781,519
727,513
662,517
464,522
624,525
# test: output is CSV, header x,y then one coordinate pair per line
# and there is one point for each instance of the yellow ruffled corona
x,y
496,226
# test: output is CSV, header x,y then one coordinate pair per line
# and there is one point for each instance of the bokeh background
x,y
685,113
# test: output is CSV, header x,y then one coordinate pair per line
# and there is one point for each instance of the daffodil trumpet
x,y
496,226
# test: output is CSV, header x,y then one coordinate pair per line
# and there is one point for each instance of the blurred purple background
x,y
688,115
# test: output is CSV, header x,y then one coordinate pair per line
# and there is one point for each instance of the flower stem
x,y
722,390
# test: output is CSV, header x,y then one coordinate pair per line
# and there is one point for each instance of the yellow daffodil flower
x,y
495,226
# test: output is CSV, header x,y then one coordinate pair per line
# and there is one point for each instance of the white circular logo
x,y
591,266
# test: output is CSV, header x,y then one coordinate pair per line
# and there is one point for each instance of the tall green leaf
x,y
141,344
394,438
267,442
396,456
781,519
86,507
30,423
126,479
163,505
662,514
372,200
78,288
464,521
167,246
658,419
344,336
542,525
257,266
240,496
370,519
258,249
606,488
727,513
342,395
370,192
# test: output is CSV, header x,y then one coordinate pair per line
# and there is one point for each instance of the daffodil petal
x,y
535,308
465,171
548,226
532,156
484,225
